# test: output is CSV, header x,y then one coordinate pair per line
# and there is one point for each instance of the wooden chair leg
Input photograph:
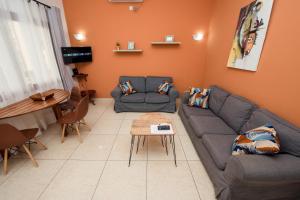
x,y
78,133
63,133
5,161
30,156
40,143
85,124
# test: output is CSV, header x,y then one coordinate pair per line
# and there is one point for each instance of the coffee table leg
x,y
174,151
131,149
162,140
138,144
166,143
144,141
170,139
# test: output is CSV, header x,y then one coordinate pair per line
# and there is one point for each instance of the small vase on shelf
x,y
118,46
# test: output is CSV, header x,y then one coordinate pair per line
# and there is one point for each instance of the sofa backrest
x,y
288,134
216,99
138,82
236,111
152,82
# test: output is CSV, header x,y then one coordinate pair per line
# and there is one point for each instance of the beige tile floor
x,y
98,168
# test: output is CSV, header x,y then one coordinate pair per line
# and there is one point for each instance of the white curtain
x,y
27,60
59,40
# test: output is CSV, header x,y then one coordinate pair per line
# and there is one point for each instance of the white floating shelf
x,y
165,43
128,51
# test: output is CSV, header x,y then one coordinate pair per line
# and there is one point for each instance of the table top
x,y
141,126
28,105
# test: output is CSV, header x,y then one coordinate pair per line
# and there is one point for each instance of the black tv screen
x,y
77,54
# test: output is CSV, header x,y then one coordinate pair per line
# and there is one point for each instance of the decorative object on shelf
x,y
131,45
79,36
198,36
250,35
169,38
118,46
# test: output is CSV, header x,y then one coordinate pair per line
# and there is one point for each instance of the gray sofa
x,y
146,99
213,131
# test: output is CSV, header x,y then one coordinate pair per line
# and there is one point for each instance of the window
x,y
27,60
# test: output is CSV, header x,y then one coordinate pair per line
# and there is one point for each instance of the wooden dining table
x,y
29,106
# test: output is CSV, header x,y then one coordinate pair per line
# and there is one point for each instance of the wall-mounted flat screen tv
x,y
77,54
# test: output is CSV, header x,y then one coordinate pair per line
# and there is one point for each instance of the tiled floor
x,y
98,168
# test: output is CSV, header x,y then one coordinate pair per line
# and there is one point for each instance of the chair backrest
x,y
75,94
10,136
82,108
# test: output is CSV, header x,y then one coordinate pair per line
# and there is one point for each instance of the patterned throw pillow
x,y
164,87
127,88
199,98
261,140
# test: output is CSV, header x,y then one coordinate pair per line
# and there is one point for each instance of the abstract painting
x,y
250,35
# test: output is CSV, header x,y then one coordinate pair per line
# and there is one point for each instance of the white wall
x,y
59,4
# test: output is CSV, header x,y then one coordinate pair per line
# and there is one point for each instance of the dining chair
x,y
12,137
72,101
76,118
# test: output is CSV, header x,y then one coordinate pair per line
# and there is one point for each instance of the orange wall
x,y
276,84
105,23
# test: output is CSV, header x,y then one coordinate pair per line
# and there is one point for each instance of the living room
x,y
149,99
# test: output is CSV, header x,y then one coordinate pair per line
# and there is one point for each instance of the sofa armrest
x,y
116,93
185,97
173,94
262,169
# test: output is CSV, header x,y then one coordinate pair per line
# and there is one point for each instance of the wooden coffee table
x,y
141,128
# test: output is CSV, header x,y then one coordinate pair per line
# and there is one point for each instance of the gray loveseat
x,y
213,131
146,99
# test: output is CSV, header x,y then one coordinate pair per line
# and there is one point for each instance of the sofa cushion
x,y
152,82
127,88
219,147
236,111
134,98
164,87
216,99
261,140
193,111
262,168
138,82
203,125
288,134
199,97
156,98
